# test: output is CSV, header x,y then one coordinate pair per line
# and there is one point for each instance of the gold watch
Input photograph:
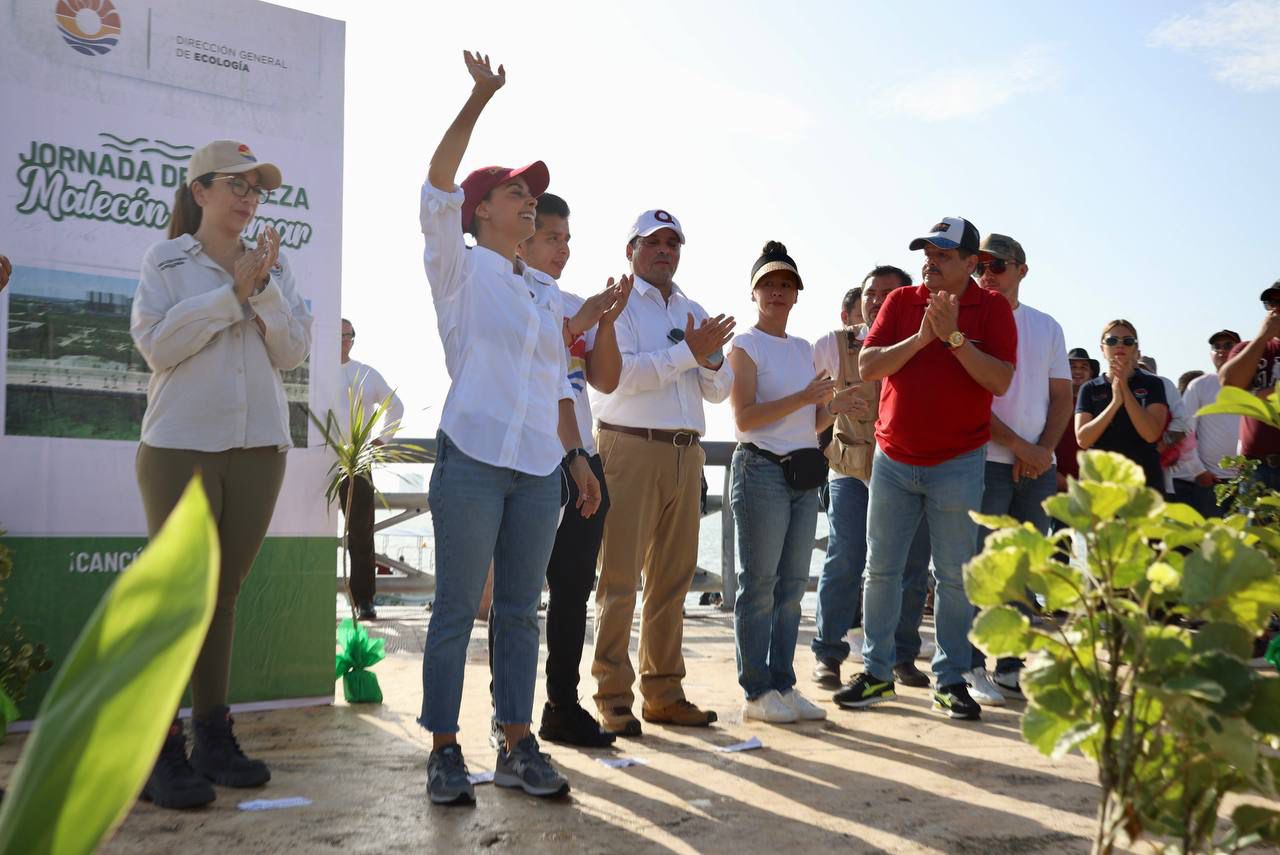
x,y
956,340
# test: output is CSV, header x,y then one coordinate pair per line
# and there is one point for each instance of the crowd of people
x,y
927,402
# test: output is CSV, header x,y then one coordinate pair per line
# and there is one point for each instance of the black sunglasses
x,y
995,265
1113,340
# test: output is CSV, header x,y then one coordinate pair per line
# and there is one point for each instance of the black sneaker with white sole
x,y
864,691
955,701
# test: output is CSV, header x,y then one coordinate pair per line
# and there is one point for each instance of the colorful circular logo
x,y
91,27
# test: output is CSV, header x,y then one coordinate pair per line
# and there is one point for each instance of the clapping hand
x,y
710,336
253,267
848,403
603,306
943,313
819,390
487,80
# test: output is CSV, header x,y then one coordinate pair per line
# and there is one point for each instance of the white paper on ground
x,y
480,778
622,762
752,743
274,804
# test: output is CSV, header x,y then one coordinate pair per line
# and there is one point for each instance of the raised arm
x,y
1239,370
448,154
604,360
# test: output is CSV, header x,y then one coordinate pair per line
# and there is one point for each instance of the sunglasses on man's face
x,y
1113,340
995,265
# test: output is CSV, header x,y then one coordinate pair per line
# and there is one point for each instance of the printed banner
x,y
105,101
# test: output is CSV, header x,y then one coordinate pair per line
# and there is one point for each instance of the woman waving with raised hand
x,y
779,408
217,319
507,422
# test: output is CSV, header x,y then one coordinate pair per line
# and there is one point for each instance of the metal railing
x,y
411,505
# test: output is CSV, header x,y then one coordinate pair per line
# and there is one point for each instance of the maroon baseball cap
x,y
478,184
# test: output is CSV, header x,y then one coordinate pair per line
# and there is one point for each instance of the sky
x,y
1131,148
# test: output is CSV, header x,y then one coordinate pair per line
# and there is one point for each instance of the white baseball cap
x,y
652,221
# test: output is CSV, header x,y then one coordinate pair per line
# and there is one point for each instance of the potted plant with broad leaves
x,y
358,450
1142,665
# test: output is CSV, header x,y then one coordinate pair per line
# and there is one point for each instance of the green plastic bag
x,y
356,652
1273,652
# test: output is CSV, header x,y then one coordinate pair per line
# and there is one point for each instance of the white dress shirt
x,y
365,385
503,347
662,386
215,382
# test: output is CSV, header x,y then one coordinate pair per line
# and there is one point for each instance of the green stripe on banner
x,y
284,618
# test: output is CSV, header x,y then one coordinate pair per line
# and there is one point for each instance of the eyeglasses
x,y
242,188
995,265
1113,340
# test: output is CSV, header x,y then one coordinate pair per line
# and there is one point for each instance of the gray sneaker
x,y
527,767
447,778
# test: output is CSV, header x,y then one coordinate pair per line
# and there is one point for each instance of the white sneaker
x,y
805,709
982,689
926,651
769,707
855,639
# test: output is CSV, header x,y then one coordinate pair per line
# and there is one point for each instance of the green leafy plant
x,y
101,725
1145,672
1245,493
20,659
358,451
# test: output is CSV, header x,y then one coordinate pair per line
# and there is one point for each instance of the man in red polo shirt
x,y
943,350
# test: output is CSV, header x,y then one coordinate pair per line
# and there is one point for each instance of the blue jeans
x,y
840,585
901,494
776,526
1024,501
480,512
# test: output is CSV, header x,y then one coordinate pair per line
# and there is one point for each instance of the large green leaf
x,y
1256,819
1110,467
1264,712
1043,729
1002,631
101,725
996,577
1231,579
1225,637
1237,402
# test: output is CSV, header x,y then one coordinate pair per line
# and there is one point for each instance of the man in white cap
x,y
648,439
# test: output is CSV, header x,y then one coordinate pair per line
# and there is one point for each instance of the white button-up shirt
x,y
503,346
662,386
215,382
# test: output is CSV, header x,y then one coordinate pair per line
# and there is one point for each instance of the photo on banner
x,y
106,100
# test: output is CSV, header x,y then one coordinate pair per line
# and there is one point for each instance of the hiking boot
x,y
909,675
864,691
448,781
955,701
806,710
768,707
619,721
681,713
827,673
217,754
525,766
173,783
572,725
982,689
1007,683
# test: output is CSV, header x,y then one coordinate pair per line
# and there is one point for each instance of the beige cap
x,y
231,157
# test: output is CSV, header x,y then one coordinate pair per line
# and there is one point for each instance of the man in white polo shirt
x,y
1026,423
649,429
1200,469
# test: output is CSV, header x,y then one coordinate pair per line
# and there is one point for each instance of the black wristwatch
x,y
575,453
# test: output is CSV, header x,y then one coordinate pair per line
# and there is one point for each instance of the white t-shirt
x,y
784,366
1217,436
1042,356
578,350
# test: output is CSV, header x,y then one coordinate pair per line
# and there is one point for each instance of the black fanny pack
x,y
803,469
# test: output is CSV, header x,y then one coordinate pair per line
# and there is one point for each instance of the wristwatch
x,y
573,454
956,340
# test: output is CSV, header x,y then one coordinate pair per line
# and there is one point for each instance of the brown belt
x,y
678,438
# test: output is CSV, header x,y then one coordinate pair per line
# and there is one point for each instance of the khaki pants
x,y
654,491
241,485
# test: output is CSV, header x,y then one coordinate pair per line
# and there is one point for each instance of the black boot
x,y
218,757
173,783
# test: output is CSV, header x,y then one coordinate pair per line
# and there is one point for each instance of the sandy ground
x,y
898,778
